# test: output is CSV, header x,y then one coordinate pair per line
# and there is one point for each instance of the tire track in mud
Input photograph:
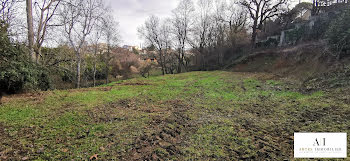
x,y
11,147
167,136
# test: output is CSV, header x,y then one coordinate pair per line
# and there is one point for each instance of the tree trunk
x,y
107,63
95,73
78,69
179,65
164,67
183,57
201,51
37,54
95,61
30,26
107,74
161,62
254,34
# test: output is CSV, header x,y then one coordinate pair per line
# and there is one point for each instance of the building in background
x,y
132,48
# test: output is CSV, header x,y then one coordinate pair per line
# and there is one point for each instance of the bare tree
x,y
46,11
111,34
202,28
166,38
95,40
260,11
151,32
218,36
78,19
181,21
230,24
7,10
9,14
234,16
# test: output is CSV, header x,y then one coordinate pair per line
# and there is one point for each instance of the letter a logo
x,y
317,142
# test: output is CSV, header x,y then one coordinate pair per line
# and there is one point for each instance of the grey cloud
x,y
132,13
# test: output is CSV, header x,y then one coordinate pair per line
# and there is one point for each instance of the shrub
x,y
295,35
338,34
17,72
145,68
125,65
319,29
100,68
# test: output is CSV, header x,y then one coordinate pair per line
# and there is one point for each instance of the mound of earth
x,y
310,64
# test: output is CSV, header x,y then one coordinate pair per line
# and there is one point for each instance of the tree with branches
x,y
202,30
260,11
95,40
151,32
7,10
78,19
45,11
111,35
182,19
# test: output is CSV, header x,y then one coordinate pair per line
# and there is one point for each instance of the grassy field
x,y
193,116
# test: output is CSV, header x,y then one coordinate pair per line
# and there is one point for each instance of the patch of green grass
x,y
83,97
121,93
289,95
69,119
220,141
317,94
273,82
18,114
251,83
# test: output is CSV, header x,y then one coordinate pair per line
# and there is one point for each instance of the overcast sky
x,y
132,13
